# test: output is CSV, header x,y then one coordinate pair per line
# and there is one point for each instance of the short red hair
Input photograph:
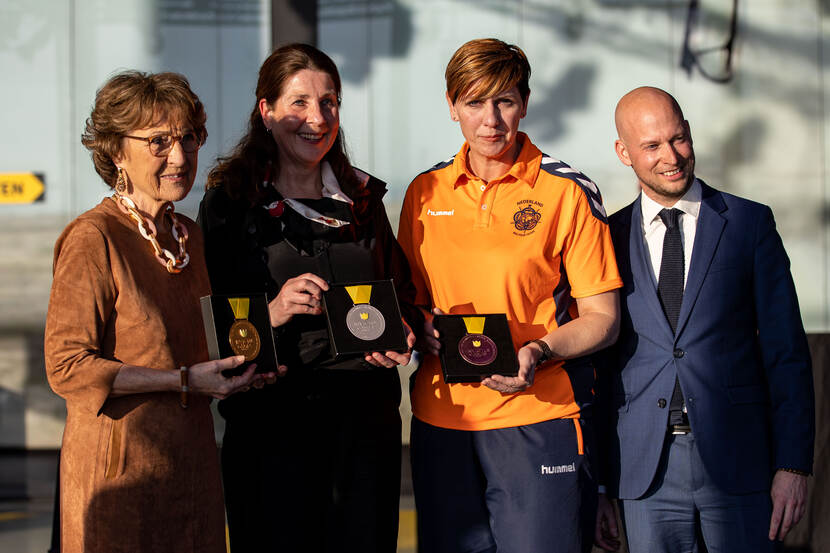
x,y
485,67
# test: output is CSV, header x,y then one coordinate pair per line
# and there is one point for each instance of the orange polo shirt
x,y
525,244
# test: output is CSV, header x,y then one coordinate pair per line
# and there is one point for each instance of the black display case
x,y
238,324
363,317
474,347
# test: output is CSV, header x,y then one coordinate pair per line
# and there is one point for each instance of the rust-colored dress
x,y
138,472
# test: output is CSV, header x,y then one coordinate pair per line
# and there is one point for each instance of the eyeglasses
x,y
161,144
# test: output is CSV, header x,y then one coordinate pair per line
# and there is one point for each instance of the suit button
x,y
678,353
661,403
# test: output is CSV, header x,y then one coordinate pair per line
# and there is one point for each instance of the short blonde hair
x,y
134,100
487,66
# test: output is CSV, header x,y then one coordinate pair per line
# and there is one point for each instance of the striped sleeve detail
x,y
589,188
439,165
562,298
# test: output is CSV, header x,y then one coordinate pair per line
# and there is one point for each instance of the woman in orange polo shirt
x,y
504,464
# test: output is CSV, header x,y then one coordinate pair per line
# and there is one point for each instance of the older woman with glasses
x,y
125,345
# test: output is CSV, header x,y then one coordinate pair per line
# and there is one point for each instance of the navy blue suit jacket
x,y
740,352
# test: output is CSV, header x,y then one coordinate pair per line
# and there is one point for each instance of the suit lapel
x,y
642,271
710,225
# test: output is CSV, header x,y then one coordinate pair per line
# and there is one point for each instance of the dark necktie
x,y
670,289
670,282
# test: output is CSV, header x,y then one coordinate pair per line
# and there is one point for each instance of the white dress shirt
x,y
654,230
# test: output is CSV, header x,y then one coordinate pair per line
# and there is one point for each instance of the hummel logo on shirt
x,y
437,213
557,469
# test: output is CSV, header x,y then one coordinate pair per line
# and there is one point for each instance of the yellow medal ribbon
x,y
240,307
475,325
360,294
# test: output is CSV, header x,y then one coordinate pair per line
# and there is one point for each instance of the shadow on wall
x,y
26,27
12,426
605,25
401,31
570,93
210,12
578,23
740,145
31,415
12,417
27,407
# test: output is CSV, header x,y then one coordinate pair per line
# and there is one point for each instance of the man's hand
x,y
789,497
606,533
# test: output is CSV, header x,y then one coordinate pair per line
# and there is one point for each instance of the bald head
x,y
655,141
643,102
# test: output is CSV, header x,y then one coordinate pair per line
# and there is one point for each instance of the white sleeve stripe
x,y
589,188
599,207
590,184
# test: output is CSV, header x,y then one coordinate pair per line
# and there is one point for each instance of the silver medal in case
x,y
365,322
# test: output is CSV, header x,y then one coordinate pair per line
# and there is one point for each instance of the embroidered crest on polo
x,y
527,216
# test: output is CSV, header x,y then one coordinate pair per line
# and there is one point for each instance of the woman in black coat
x,y
313,462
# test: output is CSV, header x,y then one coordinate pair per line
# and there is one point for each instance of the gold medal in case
x,y
243,336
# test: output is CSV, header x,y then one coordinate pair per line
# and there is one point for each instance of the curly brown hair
x,y
134,100
242,172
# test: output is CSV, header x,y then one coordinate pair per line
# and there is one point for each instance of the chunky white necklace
x,y
173,263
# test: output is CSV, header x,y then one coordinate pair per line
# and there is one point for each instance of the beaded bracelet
x,y
185,387
795,471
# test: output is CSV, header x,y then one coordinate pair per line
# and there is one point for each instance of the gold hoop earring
x,y
121,183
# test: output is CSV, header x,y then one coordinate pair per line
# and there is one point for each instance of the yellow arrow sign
x,y
20,188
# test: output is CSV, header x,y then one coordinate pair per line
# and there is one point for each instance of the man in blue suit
x,y
708,391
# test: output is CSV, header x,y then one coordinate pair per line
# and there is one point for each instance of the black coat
x,y
248,251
